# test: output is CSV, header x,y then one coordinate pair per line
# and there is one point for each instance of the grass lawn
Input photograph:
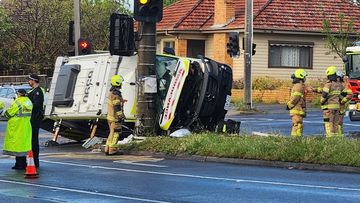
x,y
319,150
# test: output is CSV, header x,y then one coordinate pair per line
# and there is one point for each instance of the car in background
x,y
8,94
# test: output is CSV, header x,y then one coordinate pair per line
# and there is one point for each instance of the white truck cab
x,y
191,93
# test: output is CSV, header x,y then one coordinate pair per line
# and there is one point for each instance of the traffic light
x,y
84,46
253,49
148,10
71,37
233,48
121,35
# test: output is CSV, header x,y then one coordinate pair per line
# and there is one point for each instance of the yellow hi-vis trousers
x,y
111,142
297,125
341,123
331,122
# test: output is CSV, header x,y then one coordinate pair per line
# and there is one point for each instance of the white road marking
x,y
209,177
79,191
139,164
4,156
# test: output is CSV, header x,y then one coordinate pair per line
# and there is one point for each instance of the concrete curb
x,y
251,162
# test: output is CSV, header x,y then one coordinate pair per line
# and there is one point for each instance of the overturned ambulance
x,y
190,93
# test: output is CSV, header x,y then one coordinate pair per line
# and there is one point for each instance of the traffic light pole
x,y
76,25
145,116
248,53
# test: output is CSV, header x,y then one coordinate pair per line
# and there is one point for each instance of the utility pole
x,y
147,13
248,53
145,68
76,25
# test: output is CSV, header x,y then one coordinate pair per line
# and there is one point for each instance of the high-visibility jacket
x,y
115,106
18,130
330,95
345,98
297,103
1,106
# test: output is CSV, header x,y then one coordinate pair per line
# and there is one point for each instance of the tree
x,y
95,15
169,2
39,29
37,34
5,25
339,35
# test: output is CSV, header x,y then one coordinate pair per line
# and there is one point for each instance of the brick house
x,y
288,33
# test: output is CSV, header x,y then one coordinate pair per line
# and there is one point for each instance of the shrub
x,y
318,82
238,84
239,104
272,83
267,83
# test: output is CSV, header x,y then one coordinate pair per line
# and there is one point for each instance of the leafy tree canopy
x,y
339,34
169,2
34,32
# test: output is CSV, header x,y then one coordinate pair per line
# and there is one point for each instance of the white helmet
x,y
340,73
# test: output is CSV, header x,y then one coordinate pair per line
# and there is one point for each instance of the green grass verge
x,y
334,151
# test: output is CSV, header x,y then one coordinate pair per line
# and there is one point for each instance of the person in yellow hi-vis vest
x,y
18,130
115,114
1,106
345,98
297,103
330,103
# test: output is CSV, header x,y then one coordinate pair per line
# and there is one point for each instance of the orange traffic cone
x,y
30,168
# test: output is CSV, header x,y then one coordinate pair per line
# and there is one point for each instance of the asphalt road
x,y
70,173
280,123
86,177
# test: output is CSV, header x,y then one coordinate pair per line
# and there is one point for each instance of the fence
x,y
23,79
280,96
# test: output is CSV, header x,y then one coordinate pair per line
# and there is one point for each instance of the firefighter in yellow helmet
x,y
115,114
330,102
297,103
345,98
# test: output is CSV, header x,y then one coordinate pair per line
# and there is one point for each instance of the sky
x,y
131,2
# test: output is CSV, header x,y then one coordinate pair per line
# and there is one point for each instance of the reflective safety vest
x,y
297,103
345,98
17,140
115,106
1,106
330,95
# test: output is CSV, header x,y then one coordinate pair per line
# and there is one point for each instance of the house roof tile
x,y
305,15
293,15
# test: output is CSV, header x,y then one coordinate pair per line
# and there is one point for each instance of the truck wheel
x,y
354,117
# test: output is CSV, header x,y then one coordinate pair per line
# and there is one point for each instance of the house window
x,y
167,43
195,48
290,54
170,44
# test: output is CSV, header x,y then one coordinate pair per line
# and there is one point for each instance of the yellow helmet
x,y
331,70
300,74
116,80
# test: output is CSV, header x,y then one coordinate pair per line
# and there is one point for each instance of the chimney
x,y
224,11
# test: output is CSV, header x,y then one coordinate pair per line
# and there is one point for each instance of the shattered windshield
x,y
165,69
354,66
